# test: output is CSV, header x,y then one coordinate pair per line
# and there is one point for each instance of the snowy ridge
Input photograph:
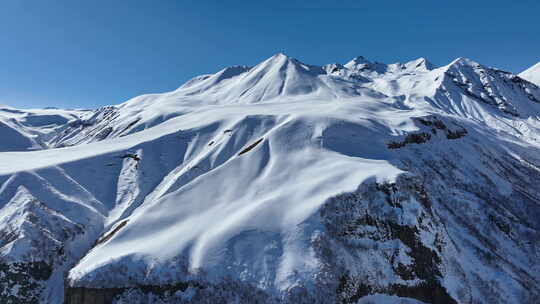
x,y
410,84
32,129
274,77
284,182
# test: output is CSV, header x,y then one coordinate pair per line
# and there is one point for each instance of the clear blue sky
x,y
77,53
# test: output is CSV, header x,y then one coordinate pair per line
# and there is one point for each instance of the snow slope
x,y
532,74
282,182
32,129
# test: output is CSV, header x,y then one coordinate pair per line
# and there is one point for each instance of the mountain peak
x,y
463,61
359,59
281,58
461,64
420,63
280,55
361,64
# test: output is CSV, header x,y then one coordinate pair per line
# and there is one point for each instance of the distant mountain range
x,y
283,182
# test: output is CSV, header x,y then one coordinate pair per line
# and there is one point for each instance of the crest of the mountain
x,y
418,65
205,82
362,65
277,76
467,88
33,129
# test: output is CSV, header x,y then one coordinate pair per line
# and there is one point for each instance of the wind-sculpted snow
x,y
282,183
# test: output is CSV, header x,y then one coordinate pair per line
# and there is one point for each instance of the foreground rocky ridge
x,y
282,183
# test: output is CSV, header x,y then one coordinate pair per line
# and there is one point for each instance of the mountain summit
x,y
284,182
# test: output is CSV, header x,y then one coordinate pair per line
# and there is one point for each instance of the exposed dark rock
x,y
23,282
248,148
132,156
80,295
103,133
197,292
455,134
109,235
362,222
411,138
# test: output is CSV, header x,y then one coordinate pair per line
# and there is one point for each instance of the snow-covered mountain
x,y
284,182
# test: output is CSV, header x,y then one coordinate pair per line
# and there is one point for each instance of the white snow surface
x,y
31,129
225,175
532,74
